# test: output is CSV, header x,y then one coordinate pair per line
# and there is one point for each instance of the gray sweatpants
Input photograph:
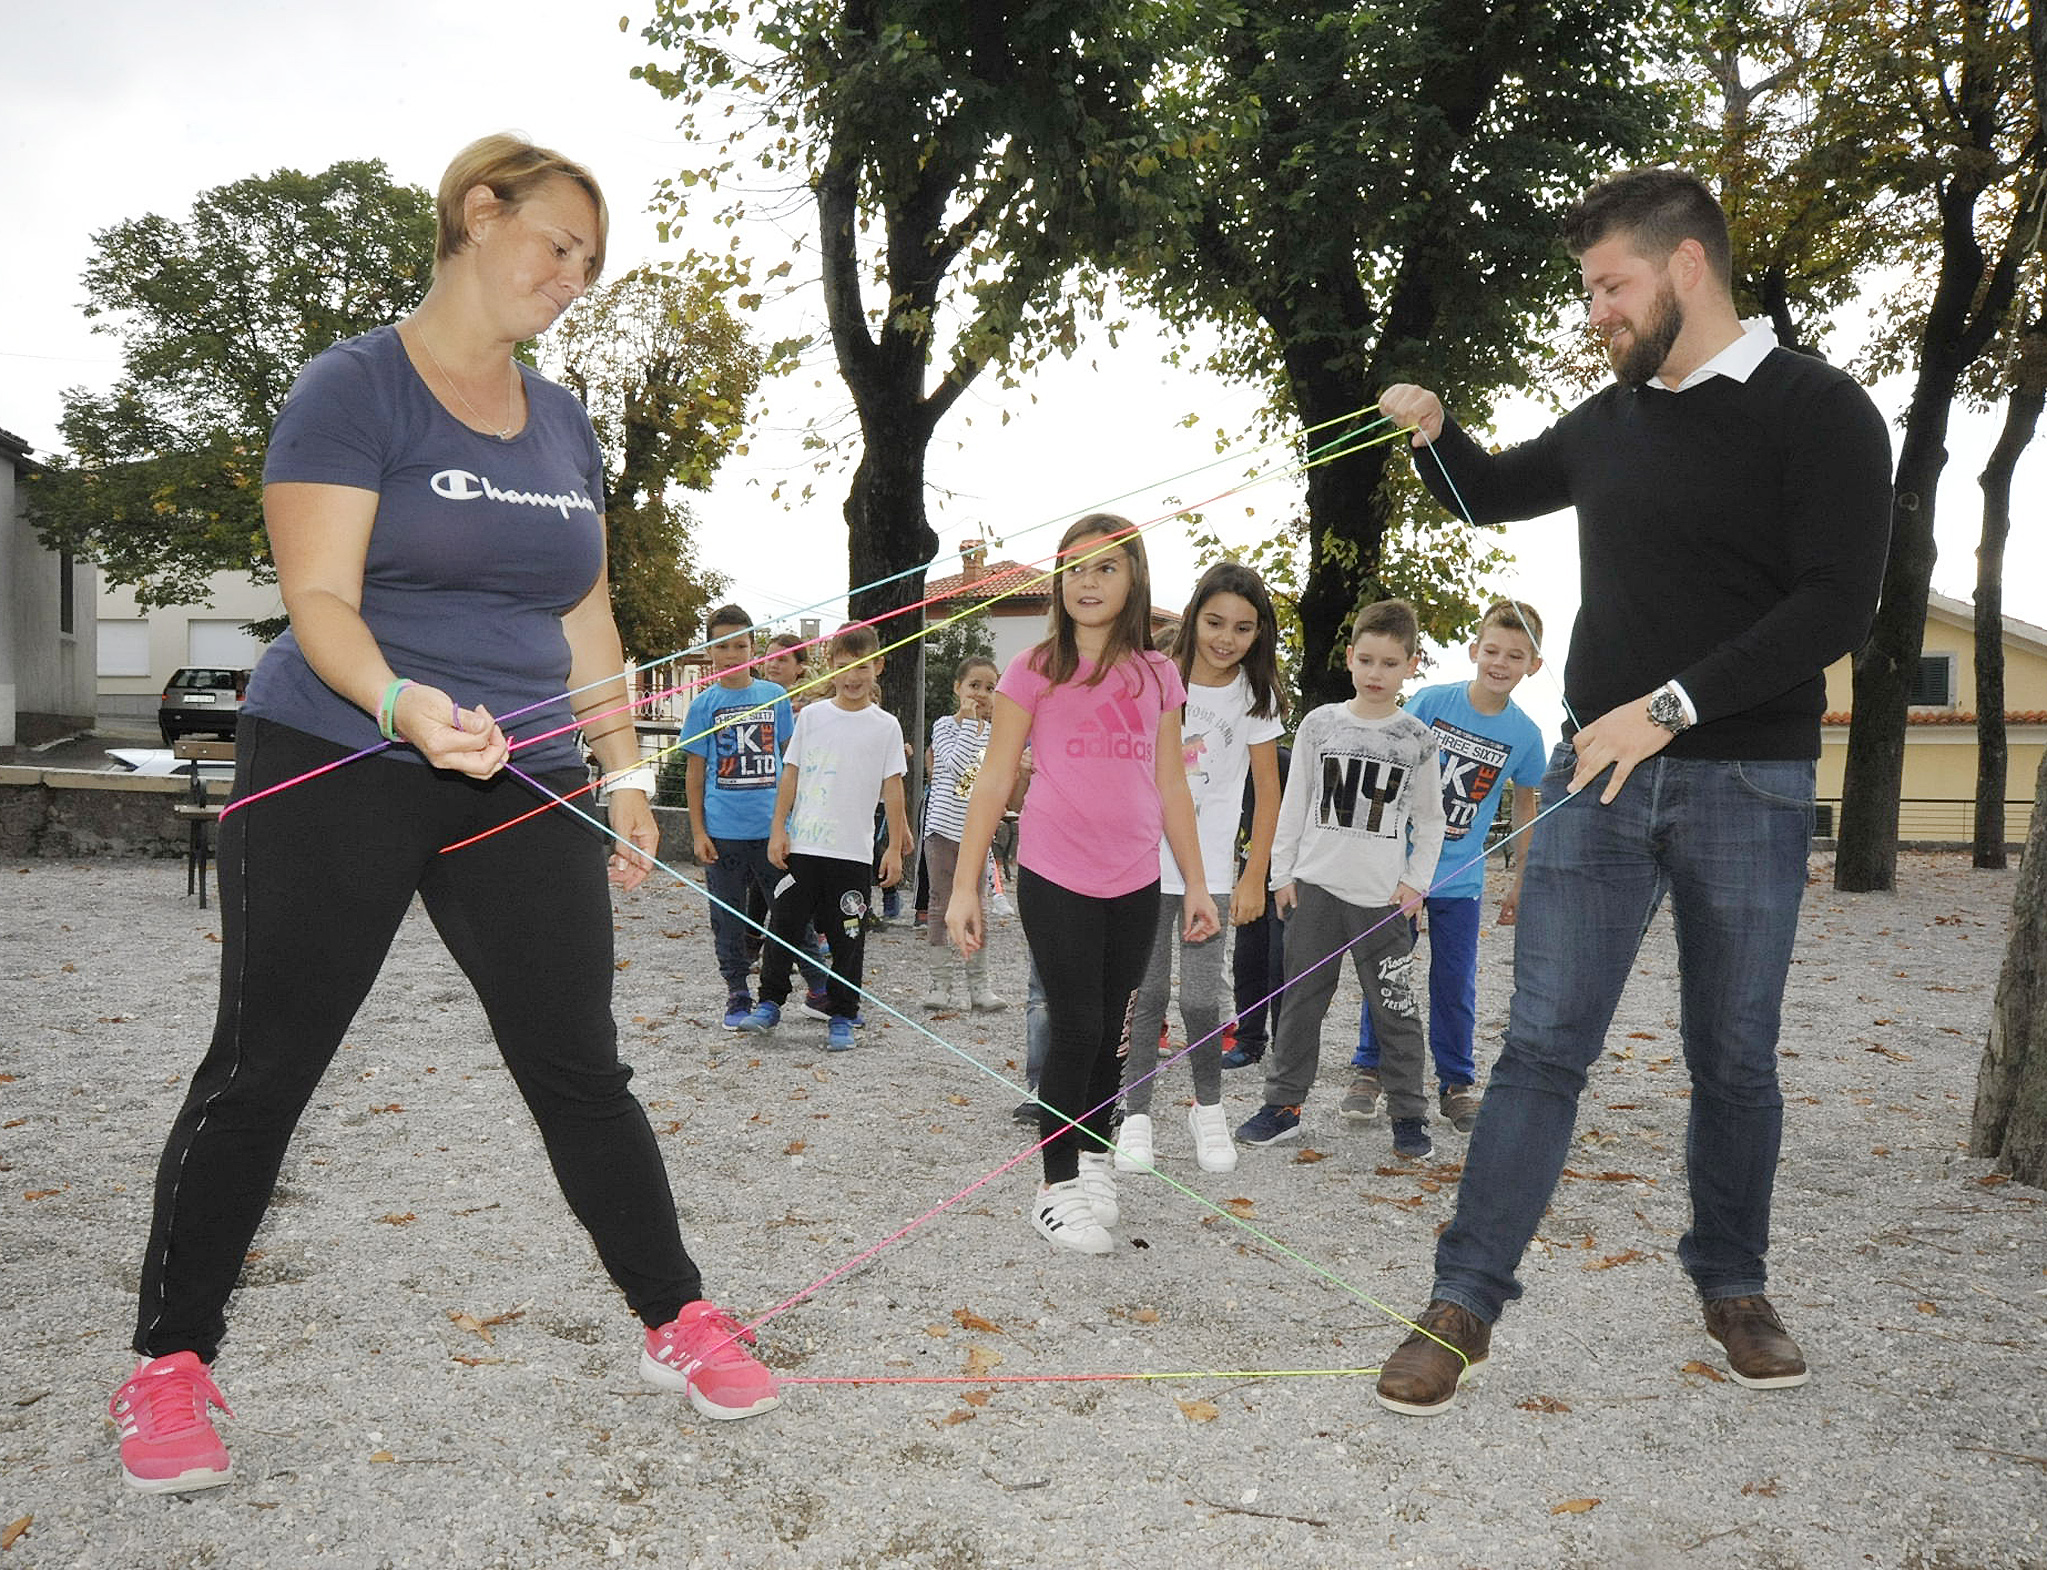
x,y
1320,925
1201,993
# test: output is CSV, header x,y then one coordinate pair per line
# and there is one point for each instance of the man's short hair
x,y
1515,617
1391,619
855,641
1658,210
727,616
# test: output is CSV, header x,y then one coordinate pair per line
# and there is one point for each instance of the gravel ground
x,y
431,1370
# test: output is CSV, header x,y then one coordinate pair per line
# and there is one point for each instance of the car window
x,y
203,678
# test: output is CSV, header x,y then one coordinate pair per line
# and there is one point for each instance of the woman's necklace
x,y
504,432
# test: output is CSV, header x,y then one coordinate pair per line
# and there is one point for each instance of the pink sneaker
x,y
700,1351
168,1444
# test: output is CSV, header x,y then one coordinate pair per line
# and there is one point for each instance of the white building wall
x,y
46,669
178,635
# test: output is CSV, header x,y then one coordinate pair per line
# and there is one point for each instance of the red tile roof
x,y
1018,586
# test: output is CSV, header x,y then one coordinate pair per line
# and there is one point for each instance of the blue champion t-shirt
x,y
739,732
1478,753
479,546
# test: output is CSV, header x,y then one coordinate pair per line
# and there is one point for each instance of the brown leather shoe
x,y
1421,1378
1760,1354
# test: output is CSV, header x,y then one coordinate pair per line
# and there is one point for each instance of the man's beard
x,y
1650,344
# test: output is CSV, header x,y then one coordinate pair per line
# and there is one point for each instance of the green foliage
x,y
665,371
215,315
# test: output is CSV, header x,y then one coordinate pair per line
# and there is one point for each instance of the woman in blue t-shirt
x,y
435,510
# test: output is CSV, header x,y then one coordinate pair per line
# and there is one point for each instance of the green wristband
x,y
387,711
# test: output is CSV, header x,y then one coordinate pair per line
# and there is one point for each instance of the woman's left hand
x,y
1201,922
632,819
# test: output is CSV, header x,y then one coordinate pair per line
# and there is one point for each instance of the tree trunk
x,y
1346,525
2011,1088
2021,419
887,533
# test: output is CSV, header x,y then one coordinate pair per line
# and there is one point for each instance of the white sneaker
x,y
1133,1144
1065,1216
1214,1149
1099,1183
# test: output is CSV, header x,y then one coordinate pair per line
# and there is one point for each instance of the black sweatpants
x,y
831,895
314,882
1090,955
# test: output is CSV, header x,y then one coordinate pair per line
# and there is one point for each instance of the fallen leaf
x,y
963,1415
13,1530
1145,1316
1243,1209
1879,1150
41,1193
1543,1404
980,1360
1987,1180
13,1123
1705,1371
959,1101
1766,1489
1574,1507
1926,1308
938,1331
391,1107
382,1455
396,1220
976,1397
1199,1411
624,964
793,1148
1626,1256
476,1362
672,1126
1307,1158
1641,1035
967,1319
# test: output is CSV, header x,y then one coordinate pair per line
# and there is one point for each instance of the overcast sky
x,y
112,110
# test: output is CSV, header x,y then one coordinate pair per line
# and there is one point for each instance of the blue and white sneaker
x,y
816,1004
737,1008
764,1018
839,1036
1269,1125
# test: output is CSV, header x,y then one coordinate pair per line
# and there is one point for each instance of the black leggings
x,y
1090,955
314,882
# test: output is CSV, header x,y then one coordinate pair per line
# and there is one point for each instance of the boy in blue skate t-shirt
x,y
1487,742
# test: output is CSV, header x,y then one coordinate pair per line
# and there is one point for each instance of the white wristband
x,y
639,779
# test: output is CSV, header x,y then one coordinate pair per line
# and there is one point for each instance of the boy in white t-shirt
x,y
845,755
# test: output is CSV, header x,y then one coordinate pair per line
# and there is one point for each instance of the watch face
x,y
1666,711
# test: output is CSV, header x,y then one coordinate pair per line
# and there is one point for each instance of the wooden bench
x,y
196,810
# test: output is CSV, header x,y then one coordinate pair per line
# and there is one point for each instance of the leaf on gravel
x,y
672,1126
476,1362
977,1397
1547,1404
667,934
41,1193
967,1319
1767,1489
1199,1411
1307,1158
382,1455
11,1533
1626,1256
1145,1316
1894,1055
1705,1371
1243,1209
1987,1180
13,1123
980,1360
1608,1177
1574,1507
793,1148
959,1101
938,1331
393,1219
481,1327
963,1415
388,1107
1926,1308
1641,1035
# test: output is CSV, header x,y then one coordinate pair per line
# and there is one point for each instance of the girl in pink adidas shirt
x,y
1100,711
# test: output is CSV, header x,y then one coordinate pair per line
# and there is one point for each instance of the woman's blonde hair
x,y
513,169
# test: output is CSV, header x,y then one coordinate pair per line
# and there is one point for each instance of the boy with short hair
x,y
733,735
1486,741
1346,866
845,754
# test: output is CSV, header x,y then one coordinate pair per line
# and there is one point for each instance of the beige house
x,y
138,649
1939,794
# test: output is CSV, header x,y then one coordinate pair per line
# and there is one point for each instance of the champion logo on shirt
x,y
1117,730
459,485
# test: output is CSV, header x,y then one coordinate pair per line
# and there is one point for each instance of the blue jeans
x,y
1453,993
740,863
1727,841
1037,1029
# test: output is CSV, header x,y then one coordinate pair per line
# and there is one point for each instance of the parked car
x,y
202,700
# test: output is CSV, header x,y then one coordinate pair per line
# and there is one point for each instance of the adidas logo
x,y
1117,730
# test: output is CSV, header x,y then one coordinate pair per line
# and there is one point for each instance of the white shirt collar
x,y
1738,360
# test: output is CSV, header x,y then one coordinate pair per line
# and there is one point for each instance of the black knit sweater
x,y
1731,536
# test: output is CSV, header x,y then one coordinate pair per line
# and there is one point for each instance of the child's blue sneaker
x,y
816,1005
839,1036
1269,1125
1411,1138
765,1017
737,1008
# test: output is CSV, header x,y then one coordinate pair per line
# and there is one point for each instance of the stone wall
x,y
84,812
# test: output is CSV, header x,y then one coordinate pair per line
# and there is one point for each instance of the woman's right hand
x,y
963,919
468,741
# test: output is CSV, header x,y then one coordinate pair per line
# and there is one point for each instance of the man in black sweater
x,y
1733,504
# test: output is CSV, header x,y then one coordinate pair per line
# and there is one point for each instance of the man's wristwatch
x,y
1667,709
